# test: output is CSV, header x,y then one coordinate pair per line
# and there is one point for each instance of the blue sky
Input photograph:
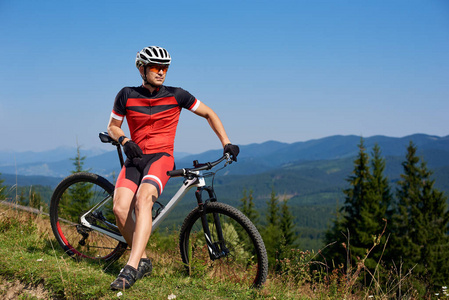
x,y
272,70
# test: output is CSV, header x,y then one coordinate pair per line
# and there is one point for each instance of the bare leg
x,y
145,198
136,233
124,202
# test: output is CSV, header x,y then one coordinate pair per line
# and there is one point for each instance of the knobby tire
x,y
246,259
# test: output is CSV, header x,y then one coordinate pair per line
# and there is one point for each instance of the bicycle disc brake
x,y
219,250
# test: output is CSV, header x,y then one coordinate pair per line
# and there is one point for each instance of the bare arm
x,y
115,129
214,121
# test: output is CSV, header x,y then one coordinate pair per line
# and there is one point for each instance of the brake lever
x,y
228,159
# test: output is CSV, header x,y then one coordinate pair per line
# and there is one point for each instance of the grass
x,y
30,255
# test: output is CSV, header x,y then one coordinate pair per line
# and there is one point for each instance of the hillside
x,y
35,267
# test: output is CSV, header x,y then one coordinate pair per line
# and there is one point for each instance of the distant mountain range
x,y
11,158
253,159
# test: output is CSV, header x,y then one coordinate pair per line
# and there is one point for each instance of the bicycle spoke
x,y
86,197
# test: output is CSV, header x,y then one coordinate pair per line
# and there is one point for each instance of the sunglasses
x,y
157,68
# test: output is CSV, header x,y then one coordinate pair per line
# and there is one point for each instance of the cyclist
x,y
152,111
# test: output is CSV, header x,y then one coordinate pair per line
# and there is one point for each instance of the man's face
x,y
155,74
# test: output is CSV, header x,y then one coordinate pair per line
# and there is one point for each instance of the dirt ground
x,y
14,289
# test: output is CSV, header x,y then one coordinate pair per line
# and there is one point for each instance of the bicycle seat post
x,y
120,155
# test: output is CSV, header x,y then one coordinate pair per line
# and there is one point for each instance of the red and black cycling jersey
x,y
153,117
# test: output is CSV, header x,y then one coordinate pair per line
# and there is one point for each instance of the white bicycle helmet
x,y
152,55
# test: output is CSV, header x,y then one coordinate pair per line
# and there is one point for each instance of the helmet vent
x,y
155,52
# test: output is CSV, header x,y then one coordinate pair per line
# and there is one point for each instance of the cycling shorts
x,y
151,168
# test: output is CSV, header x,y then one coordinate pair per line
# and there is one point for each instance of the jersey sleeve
x,y
186,100
119,108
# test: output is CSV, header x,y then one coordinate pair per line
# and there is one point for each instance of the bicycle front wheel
x,y
75,196
240,254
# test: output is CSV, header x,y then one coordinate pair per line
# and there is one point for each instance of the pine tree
x,y
35,200
376,209
78,161
421,223
271,233
381,188
248,208
287,226
79,194
361,220
286,237
22,199
273,210
344,238
278,234
357,204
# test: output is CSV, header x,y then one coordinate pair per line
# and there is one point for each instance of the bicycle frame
x,y
198,181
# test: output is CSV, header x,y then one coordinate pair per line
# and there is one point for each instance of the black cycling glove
x,y
132,150
233,151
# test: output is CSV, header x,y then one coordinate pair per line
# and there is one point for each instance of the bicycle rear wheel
x,y
72,198
242,255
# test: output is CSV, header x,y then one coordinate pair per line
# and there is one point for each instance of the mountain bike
x,y
215,238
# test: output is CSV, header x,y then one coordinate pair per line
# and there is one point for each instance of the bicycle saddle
x,y
105,138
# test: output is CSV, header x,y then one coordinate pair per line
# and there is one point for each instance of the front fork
x,y
217,248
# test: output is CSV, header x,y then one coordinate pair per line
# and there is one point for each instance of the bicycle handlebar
x,y
105,138
199,167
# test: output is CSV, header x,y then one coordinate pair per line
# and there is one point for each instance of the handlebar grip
x,y
176,173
